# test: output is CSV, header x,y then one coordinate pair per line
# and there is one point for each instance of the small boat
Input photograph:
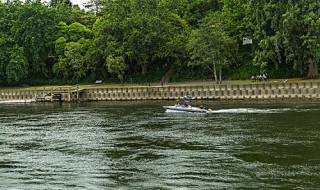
x,y
191,109
185,106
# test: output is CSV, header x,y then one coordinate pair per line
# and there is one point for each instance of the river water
x,y
136,145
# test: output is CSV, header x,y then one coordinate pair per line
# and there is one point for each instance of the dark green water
x,y
136,145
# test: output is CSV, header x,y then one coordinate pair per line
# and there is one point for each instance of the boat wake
x,y
251,110
239,110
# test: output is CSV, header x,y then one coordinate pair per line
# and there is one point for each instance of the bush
x,y
242,73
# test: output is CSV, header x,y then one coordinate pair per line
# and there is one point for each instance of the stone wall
x,y
249,91
309,90
7,95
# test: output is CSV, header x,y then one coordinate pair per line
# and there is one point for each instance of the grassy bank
x,y
189,83
82,86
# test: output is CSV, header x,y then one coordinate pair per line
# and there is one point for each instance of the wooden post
x,y
69,95
35,94
51,94
77,92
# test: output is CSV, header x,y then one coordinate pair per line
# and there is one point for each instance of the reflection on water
x,y
136,145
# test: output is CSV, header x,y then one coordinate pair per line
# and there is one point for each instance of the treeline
x,y
141,40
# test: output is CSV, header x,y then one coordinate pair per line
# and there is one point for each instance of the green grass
x,y
48,87
273,81
191,83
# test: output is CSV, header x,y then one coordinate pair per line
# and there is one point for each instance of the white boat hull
x,y
188,110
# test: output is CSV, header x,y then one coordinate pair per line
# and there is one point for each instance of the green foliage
x,y
242,72
234,15
57,3
195,11
288,33
33,30
76,31
116,65
17,68
153,76
143,40
72,64
71,49
210,46
191,73
60,45
145,33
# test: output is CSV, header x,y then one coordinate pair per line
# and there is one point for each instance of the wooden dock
x,y
58,94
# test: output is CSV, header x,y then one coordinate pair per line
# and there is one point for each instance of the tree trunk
x,y
166,77
144,69
122,81
313,69
215,72
220,73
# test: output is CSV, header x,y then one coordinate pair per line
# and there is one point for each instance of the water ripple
x,y
125,146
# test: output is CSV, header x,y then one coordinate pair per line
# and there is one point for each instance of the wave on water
x,y
251,110
242,110
16,101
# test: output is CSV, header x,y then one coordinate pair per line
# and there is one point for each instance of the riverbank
x,y
234,90
171,84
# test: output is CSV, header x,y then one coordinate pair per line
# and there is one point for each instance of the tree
x,y
57,3
26,31
76,31
143,44
211,47
72,64
301,35
146,32
235,15
94,6
33,30
13,63
71,48
17,67
196,10
116,65
81,16
287,33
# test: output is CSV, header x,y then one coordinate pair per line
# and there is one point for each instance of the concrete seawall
x,y
309,90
